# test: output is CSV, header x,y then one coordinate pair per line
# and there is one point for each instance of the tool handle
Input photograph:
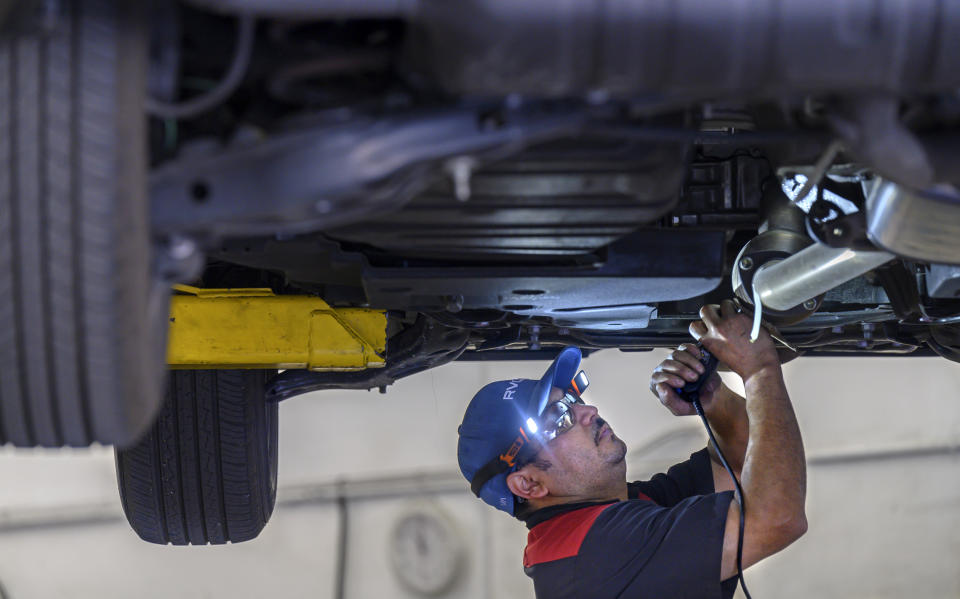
x,y
691,390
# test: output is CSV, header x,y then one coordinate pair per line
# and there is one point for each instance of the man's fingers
x,y
697,329
689,354
665,392
679,368
687,359
669,398
728,308
673,379
709,315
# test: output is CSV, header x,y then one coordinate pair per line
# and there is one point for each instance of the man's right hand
x,y
726,333
680,367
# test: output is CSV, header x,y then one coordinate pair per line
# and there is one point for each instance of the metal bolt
x,y
454,303
868,329
746,263
461,170
810,305
535,337
838,231
181,248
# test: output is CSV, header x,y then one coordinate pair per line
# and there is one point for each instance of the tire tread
x,y
206,472
79,362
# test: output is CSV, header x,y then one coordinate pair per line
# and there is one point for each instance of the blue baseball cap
x,y
495,417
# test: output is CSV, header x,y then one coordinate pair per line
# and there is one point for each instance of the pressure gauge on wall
x,y
426,551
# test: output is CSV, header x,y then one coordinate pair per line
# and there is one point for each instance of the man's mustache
x,y
597,425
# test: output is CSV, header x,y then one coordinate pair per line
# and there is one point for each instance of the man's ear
x,y
525,483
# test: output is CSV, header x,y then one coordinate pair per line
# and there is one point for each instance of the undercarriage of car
x,y
385,162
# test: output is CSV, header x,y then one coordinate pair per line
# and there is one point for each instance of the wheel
x,y
83,335
207,471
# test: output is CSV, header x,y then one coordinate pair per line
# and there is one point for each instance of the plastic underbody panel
x,y
559,199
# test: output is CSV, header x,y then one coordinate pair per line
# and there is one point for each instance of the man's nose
x,y
585,413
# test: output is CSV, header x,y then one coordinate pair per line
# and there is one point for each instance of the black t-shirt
x,y
666,540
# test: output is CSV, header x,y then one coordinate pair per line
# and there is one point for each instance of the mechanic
x,y
535,450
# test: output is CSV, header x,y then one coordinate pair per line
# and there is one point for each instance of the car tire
x,y
207,471
83,334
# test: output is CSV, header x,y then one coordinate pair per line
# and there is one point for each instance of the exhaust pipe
x,y
629,48
786,283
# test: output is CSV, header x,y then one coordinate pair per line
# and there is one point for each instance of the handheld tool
x,y
690,392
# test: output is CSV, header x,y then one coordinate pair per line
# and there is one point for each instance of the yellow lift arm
x,y
255,328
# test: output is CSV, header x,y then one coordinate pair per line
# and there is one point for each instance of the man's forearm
x,y
774,470
774,467
727,415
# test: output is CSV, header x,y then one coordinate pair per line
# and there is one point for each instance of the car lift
x,y
255,328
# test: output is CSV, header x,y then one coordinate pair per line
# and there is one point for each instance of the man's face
x,y
585,456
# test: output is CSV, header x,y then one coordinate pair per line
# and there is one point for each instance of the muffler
x,y
923,225
784,284
788,274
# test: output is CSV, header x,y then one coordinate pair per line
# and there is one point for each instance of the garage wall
x,y
882,438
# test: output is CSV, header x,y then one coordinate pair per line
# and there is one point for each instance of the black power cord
x,y
738,491
690,393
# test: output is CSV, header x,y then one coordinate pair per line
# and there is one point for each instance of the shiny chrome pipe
x,y
786,283
920,224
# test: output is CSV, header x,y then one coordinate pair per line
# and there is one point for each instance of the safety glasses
x,y
557,417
